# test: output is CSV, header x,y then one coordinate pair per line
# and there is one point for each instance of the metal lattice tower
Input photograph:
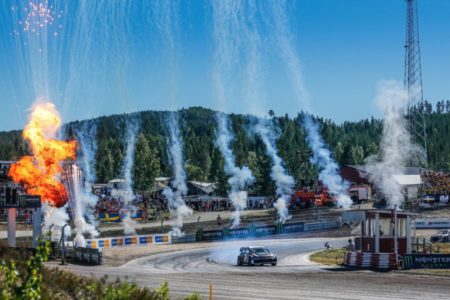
x,y
413,82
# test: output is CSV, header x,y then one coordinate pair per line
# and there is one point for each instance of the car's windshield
x,y
442,232
260,250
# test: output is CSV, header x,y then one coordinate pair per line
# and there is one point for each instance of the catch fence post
x,y
210,292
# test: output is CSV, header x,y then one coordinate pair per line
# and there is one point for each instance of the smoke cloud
x,y
241,177
396,148
84,200
127,194
178,189
328,168
283,181
54,220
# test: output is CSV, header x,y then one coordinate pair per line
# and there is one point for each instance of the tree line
x,y
350,142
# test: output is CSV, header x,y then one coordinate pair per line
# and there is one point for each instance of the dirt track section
x,y
294,278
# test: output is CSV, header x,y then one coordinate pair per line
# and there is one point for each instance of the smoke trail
x,y
241,177
129,225
80,203
85,201
178,188
284,42
226,15
396,147
321,155
256,98
329,169
284,182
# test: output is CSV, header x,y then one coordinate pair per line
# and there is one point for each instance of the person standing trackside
x,y
350,246
219,220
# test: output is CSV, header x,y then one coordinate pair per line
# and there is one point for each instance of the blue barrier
x,y
254,231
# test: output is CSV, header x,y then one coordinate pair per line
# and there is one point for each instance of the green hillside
x,y
350,142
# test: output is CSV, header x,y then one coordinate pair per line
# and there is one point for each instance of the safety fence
x,y
426,261
155,239
263,230
370,260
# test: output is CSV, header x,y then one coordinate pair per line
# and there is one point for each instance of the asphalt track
x,y
293,278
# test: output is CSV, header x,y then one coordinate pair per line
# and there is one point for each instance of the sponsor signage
x,y
432,223
294,227
250,231
129,241
426,261
238,232
212,234
263,230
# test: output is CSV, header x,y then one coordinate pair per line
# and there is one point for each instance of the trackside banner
x,y
156,239
426,261
250,231
432,223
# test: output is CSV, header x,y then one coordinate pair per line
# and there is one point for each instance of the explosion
x,y
40,173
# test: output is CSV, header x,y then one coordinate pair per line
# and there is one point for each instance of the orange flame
x,y
40,173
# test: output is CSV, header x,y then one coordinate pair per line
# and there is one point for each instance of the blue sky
x,y
117,61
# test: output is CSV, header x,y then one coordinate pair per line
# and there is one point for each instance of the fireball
x,y
40,173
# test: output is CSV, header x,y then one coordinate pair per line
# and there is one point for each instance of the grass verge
x,y
331,257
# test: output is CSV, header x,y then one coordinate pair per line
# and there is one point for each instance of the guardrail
x,y
256,231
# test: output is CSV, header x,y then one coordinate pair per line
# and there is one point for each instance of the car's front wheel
x,y
274,264
239,261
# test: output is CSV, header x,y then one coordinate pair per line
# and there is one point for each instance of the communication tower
x,y
413,83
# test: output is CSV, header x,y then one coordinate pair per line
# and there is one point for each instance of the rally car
x,y
442,236
256,255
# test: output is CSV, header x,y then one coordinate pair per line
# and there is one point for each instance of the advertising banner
x,y
157,239
426,261
438,223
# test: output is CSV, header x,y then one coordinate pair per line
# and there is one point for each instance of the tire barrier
x,y
426,261
370,260
155,239
257,231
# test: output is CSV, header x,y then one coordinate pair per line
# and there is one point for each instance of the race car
x,y
256,255
442,236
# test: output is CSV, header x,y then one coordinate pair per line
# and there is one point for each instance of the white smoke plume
x,y
85,201
241,177
127,193
81,204
283,181
396,148
177,189
227,31
328,168
321,155
54,220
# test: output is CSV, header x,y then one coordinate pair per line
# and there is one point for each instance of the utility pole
x,y
413,84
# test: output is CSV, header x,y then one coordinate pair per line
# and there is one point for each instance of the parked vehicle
x,y
442,236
